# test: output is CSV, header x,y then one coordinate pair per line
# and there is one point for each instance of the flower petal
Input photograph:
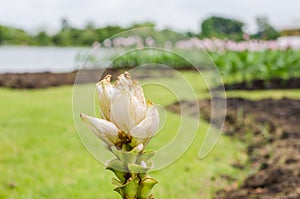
x,y
137,103
141,130
120,112
124,82
139,94
106,92
105,130
154,114
137,109
148,127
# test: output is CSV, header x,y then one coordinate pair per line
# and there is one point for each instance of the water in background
x,y
18,59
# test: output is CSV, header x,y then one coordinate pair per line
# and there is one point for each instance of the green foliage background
x,y
212,27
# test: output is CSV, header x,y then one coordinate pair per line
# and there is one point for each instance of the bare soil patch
x,y
292,83
271,129
48,79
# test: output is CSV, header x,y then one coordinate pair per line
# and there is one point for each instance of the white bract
x,y
127,116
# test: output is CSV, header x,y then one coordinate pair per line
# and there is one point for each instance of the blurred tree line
x,y
212,27
225,28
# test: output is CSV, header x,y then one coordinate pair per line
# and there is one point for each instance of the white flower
x,y
125,112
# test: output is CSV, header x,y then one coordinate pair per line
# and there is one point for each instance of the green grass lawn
x,y
41,155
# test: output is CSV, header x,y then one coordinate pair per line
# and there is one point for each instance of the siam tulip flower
x,y
128,123
128,120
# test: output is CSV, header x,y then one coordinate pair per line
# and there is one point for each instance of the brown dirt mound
x,y
292,83
35,80
271,130
47,79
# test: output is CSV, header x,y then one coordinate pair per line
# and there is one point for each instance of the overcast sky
x,y
35,15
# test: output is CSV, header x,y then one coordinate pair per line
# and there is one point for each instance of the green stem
x,y
133,180
129,167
